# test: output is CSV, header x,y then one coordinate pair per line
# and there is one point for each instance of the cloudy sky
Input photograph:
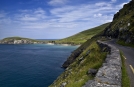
x,y
54,19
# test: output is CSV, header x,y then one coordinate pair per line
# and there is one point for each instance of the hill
x,y
89,54
78,64
19,40
83,36
81,59
122,26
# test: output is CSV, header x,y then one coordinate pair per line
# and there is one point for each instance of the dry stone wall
x,y
109,75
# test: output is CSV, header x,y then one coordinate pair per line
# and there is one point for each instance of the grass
x,y
76,74
122,18
125,78
125,44
83,36
125,15
19,38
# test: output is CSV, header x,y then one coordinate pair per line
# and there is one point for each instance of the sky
x,y
54,19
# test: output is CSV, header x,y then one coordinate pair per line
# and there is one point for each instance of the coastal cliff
x,y
95,63
94,32
122,26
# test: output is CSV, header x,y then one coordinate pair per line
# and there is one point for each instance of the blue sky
x,y
54,19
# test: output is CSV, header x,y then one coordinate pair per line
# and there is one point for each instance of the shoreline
x,y
39,43
63,44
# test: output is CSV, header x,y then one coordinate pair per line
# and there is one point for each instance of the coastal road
x,y
129,59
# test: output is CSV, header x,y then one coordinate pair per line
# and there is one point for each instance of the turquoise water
x,y
31,65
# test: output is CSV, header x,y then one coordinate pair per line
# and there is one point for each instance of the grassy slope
x,y
125,16
121,21
125,78
18,38
125,44
83,36
76,74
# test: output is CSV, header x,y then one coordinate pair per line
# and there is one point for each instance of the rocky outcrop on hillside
x,y
76,53
72,58
122,26
109,75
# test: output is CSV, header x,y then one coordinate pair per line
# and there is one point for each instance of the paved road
x,y
129,57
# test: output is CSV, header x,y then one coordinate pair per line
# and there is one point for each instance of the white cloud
x,y
68,19
101,4
113,0
2,14
81,13
4,21
57,2
39,11
122,4
31,15
28,18
97,15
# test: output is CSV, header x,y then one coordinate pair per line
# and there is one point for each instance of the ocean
x,y
35,65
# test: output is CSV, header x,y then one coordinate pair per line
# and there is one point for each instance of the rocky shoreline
x,y
21,41
28,41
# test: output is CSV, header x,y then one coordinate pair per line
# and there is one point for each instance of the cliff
x,y
76,73
89,62
122,26
94,32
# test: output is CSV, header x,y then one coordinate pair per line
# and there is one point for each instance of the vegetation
x,y
83,36
17,38
125,44
122,26
76,74
124,16
21,38
125,78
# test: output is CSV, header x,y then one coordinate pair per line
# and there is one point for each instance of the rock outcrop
x,y
122,26
109,75
72,58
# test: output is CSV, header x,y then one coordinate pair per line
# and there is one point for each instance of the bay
x,y
36,65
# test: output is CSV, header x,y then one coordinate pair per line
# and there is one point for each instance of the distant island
x,y
20,40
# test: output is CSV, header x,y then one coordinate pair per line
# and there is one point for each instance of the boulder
x,y
63,84
92,72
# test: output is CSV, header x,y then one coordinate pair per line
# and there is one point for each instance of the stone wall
x,y
109,75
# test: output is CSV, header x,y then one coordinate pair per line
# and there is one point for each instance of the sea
x,y
33,65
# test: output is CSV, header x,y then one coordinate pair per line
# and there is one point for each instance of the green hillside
x,y
75,74
84,58
83,36
20,40
17,38
122,26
